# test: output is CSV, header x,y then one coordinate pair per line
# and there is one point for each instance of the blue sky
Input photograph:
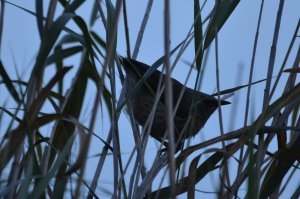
x,y
20,44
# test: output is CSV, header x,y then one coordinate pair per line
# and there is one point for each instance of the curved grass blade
x,y
182,186
61,159
17,135
279,168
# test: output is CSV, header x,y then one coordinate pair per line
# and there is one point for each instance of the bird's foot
x,y
163,150
160,152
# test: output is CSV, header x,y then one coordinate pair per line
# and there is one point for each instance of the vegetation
x,y
36,163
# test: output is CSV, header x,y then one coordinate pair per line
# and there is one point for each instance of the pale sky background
x,y
20,44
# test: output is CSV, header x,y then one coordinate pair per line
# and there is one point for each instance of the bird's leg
x,y
178,147
161,151
179,144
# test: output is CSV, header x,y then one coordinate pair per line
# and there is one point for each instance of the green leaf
x,y
98,39
222,11
94,13
192,177
45,92
48,42
71,38
39,17
64,129
8,83
231,90
62,54
74,5
279,168
198,34
11,114
88,41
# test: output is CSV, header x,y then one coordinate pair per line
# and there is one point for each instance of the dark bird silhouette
x,y
192,113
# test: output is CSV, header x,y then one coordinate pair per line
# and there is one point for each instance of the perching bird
x,y
193,111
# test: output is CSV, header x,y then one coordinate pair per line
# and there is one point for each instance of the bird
x,y
193,110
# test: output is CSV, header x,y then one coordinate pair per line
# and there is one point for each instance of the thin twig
x,y
1,22
155,168
240,167
101,13
285,59
273,54
109,54
226,171
126,29
252,63
266,98
169,100
142,30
